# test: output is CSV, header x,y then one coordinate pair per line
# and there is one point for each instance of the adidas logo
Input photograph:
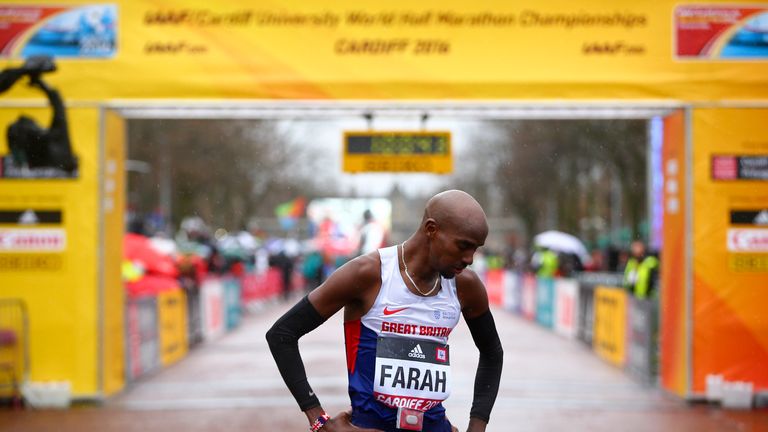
x,y
761,218
416,352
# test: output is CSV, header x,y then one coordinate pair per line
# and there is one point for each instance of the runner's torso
x,y
397,353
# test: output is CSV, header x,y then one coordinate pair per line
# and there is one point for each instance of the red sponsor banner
x,y
700,29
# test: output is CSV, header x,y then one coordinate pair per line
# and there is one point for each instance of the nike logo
x,y
393,311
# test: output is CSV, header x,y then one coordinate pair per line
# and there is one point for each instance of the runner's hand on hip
x,y
342,423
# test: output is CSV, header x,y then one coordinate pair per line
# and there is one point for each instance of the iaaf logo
x,y
416,352
748,240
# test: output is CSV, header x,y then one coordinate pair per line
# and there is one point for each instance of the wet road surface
x,y
231,384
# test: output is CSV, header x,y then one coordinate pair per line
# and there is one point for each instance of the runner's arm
x,y
343,288
481,325
283,339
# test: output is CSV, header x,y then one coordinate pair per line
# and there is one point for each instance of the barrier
x,y
610,324
494,285
212,308
194,316
172,326
586,313
642,360
512,291
260,287
593,309
142,350
545,301
566,305
14,348
528,303
232,304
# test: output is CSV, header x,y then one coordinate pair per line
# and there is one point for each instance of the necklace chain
x,y
402,248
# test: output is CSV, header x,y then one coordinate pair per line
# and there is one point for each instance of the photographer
x,y
30,144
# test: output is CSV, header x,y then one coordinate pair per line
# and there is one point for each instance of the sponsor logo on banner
x,y
748,240
748,262
725,168
30,217
32,240
720,32
16,262
731,167
84,31
749,217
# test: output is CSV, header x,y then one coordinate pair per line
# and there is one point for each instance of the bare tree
x,y
557,174
225,171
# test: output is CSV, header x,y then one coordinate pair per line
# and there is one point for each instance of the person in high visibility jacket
x,y
545,262
640,271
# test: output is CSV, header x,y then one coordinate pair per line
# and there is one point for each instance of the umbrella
x,y
562,242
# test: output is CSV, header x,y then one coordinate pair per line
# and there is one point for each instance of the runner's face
x,y
454,249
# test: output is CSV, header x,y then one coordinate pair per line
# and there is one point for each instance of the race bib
x,y
411,373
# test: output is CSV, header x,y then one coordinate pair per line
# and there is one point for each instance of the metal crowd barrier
x,y
14,348
142,344
642,335
587,283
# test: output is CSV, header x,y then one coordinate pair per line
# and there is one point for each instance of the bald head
x,y
457,210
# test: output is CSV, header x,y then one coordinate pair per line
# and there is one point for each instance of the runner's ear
x,y
430,227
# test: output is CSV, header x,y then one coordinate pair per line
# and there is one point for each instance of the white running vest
x,y
412,355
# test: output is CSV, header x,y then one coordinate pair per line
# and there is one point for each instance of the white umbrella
x,y
562,242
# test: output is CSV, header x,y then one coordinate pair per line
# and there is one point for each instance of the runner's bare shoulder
x,y
352,284
472,294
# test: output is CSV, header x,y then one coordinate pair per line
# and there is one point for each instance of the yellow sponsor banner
x,y
610,324
730,241
364,49
172,325
52,264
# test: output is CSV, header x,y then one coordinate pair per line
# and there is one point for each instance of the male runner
x,y
400,304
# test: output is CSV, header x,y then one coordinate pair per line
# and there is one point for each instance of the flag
x,y
288,212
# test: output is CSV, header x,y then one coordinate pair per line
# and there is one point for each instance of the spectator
x,y
641,271
545,262
371,234
285,264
